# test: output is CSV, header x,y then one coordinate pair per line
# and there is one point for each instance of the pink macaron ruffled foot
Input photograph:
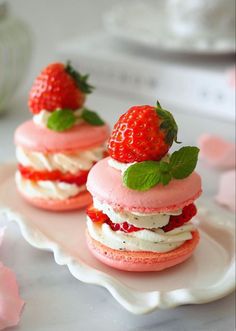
x,y
78,202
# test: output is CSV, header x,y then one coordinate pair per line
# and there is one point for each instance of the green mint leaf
x,y
165,178
61,120
142,176
168,124
164,166
183,162
80,80
91,117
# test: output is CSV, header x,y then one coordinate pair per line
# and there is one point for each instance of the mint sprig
x,y
142,176
64,119
61,120
91,117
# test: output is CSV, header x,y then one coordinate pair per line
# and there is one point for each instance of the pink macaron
x,y
143,199
57,148
38,145
106,186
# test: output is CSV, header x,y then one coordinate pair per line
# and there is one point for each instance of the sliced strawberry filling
x,y
176,221
98,216
56,175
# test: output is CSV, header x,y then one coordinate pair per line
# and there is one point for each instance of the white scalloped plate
x,y
207,276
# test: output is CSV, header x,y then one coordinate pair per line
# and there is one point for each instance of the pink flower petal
x,y
217,152
226,193
231,74
10,302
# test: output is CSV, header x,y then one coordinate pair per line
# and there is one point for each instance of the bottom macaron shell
x,y
142,261
78,202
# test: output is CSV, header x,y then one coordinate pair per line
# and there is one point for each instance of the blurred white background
x,y
53,21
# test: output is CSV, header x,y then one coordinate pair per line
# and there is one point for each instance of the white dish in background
x,y
138,23
207,276
15,54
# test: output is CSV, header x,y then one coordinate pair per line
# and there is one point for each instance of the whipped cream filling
x,y
150,238
124,166
46,189
41,119
119,165
147,220
144,240
65,162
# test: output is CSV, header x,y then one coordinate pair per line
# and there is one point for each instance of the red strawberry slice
x,y
97,216
58,86
142,133
79,179
175,221
188,213
125,227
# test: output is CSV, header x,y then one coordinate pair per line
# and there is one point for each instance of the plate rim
x,y
132,300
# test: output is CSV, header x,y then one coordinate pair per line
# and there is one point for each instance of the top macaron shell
x,y
81,137
105,184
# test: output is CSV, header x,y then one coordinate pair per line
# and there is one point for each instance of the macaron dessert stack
x,y
56,149
143,196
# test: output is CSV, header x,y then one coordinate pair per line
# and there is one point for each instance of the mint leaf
x,y
91,117
80,80
183,162
142,176
164,166
61,120
165,178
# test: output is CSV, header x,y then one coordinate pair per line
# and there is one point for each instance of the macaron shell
x,y
82,136
105,184
78,202
142,261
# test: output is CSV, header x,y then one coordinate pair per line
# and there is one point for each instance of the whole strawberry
x,y
58,86
142,133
